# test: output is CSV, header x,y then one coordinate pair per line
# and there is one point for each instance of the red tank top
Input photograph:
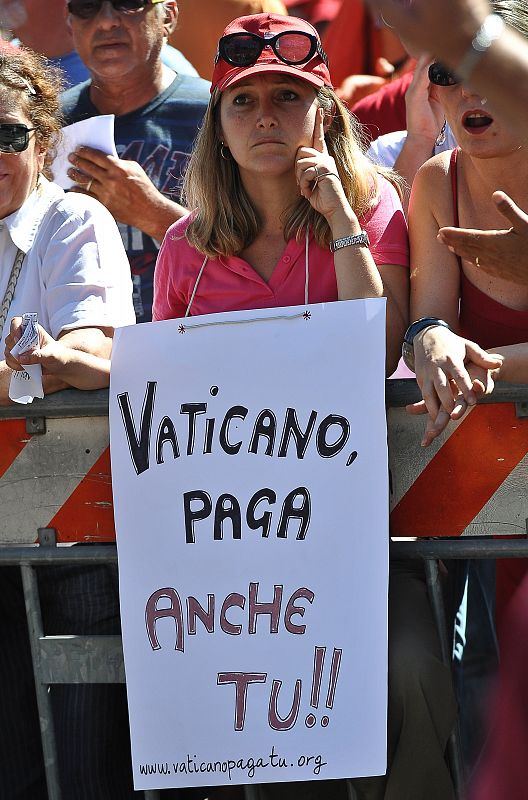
x,y
483,319
491,324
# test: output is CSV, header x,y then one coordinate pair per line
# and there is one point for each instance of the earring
x,y
440,139
223,151
384,21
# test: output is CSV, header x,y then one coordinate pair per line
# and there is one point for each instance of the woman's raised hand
x,y
317,175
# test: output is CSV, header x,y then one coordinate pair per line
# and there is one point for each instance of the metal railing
x,y
99,659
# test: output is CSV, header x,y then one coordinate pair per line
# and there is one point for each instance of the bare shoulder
x,y
432,191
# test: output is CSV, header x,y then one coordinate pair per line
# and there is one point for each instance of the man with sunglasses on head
x,y
157,114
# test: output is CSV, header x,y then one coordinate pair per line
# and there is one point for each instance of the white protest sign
x,y
249,468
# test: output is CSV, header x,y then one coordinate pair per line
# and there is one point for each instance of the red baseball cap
x,y
266,26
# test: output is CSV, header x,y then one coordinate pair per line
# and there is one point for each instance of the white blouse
x,y
75,273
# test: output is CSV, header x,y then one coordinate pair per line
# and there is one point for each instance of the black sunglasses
x,y
14,137
86,9
292,47
440,75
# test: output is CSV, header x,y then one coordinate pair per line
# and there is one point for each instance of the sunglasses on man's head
x,y
440,75
14,137
291,47
86,9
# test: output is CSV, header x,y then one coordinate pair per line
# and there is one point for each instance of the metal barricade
x,y
55,480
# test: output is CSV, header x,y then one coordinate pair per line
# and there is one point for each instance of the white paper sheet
x,y
97,132
26,384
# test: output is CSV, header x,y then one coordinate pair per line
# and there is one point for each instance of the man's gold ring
x,y
89,185
477,262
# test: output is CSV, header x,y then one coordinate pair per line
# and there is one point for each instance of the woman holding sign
x,y
288,210
277,173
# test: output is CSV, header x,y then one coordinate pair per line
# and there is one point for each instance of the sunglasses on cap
x,y
440,75
291,47
14,137
87,9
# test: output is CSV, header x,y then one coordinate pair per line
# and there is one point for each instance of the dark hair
x,y
31,81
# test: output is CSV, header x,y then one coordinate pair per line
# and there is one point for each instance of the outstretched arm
x,y
446,31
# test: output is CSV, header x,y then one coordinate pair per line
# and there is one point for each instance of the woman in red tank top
x,y
457,188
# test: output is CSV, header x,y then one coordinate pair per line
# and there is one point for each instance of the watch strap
x,y
413,330
358,239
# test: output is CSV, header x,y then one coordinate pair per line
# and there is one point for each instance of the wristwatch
x,y
361,239
413,330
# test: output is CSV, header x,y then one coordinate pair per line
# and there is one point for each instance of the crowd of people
x,y
270,153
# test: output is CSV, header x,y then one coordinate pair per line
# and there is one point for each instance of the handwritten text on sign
x,y
250,491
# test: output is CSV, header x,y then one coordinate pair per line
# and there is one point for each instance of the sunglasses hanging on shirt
x,y
87,9
291,47
14,137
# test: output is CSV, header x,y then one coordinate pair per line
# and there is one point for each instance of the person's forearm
x,y
158,215
5,378
356,273
446,30
416,151
83,370
50,384
96,341
514,368
501,75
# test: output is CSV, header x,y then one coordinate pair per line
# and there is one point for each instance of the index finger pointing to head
x,y
318,134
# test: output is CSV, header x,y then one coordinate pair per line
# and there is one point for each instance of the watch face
x,y
408,355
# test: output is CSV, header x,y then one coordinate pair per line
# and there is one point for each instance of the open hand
x,y
502,253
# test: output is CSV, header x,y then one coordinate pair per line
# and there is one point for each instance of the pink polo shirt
x,y
231,284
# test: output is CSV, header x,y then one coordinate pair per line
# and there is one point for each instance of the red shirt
x,y
384,111
231,284
315,10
